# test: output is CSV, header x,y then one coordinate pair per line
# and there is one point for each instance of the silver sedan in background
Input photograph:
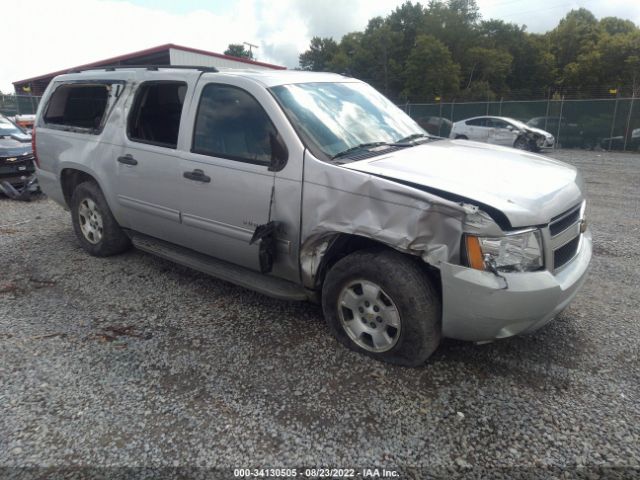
x,y
504,131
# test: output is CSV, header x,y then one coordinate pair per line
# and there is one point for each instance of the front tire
x,y
94,225
522,143
383,304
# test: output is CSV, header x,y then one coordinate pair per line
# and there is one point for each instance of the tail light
x,y
33,147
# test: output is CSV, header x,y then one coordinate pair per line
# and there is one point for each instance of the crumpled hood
x,y
10,146
539,131
528,189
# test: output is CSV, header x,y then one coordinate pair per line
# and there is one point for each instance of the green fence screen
x,y
611,124
11,105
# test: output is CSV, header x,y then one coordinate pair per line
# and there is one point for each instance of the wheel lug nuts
x,y
376,308
361,310
373,325
379,319
366,304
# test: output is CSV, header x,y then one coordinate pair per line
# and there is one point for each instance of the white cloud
x,y
64,33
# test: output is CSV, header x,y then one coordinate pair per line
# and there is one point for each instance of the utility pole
x,y
628,129
251,45
613,120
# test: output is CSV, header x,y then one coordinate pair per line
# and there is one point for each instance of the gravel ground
x,y
132,361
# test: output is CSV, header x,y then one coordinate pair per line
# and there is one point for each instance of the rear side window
x,y
81,105
155,116
232,124
477,122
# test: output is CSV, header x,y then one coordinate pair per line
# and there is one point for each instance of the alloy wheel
x,y
90,221
369,316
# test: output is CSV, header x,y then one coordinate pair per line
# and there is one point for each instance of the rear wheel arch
x,y
95,226
70,178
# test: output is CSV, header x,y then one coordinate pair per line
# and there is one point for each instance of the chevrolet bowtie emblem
x,y
11,159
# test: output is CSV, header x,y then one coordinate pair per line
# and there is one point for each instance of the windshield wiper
x,y
403,142
413,137
358,147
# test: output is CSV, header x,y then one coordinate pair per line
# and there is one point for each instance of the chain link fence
x,y
11,105
610,124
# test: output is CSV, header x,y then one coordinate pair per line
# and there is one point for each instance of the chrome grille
x,y
564,254
566,235
560,223
11,160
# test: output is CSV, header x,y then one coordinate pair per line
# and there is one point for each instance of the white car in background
x,y
502,131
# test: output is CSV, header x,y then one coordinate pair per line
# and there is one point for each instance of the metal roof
x,y
144,53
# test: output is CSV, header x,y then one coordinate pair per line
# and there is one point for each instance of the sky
x,y
48,35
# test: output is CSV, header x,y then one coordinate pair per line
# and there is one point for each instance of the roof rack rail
x,y
112,68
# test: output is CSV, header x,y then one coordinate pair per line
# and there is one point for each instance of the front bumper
x,y
547,142
480,306
16,175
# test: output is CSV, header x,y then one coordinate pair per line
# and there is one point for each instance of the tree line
x,y
445,50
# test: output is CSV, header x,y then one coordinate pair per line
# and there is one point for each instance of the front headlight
x,y
519,252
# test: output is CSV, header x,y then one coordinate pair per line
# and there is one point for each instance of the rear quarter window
x,y
81,106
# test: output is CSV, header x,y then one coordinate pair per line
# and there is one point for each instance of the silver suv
x,y
315,186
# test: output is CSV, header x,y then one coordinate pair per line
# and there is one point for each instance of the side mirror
x,y
279,153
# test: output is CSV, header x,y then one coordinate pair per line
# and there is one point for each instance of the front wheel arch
x,y
339,245
406,285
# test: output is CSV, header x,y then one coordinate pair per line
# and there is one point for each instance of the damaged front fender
x,y
339,201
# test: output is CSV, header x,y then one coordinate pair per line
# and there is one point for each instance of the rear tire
x,y
461,137
94,225
383,304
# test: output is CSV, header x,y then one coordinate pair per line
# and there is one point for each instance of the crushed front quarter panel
x,y
337,200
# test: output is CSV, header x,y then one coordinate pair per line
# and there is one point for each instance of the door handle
x,y
197,175
128,160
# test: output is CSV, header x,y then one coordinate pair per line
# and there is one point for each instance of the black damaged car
x,y
16,160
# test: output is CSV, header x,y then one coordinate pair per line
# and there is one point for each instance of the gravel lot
x,y
132,361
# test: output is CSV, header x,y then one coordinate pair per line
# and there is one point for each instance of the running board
x,y
244,277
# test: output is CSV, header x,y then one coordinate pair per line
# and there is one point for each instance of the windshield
x,y
7,128
337,117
